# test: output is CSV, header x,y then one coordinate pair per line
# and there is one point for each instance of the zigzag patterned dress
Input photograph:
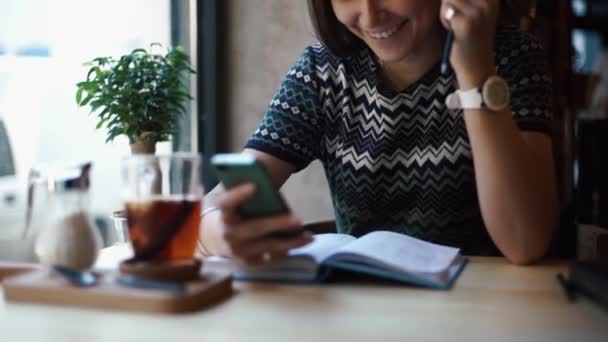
x,y
398,161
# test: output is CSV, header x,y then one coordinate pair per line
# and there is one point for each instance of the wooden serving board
x,y
9,269
45,287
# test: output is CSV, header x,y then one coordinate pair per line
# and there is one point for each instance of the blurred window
x,y
43,45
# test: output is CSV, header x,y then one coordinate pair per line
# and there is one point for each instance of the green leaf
x,y
96,105
86,100
91,72
99,124
98,72
79,96
136,51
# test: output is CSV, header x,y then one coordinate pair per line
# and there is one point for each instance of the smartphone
x,y
234,168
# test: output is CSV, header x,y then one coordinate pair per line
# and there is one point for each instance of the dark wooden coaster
x,y
182,270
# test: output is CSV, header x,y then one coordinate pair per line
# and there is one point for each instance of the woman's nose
x,y
371,13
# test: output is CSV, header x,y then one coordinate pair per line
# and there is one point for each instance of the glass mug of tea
x,y
163,199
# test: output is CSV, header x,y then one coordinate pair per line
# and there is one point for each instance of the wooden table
x,y
492,301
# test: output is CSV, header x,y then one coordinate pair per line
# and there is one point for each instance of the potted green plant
x,y
140,94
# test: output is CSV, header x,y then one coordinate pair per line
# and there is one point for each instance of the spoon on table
x,y
88,279
76,277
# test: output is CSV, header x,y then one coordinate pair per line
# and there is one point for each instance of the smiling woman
x,y
369,102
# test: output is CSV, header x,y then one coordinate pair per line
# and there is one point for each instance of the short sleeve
x,y
522,62
291,129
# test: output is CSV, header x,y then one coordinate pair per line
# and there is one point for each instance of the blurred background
x,y
241,50
43,45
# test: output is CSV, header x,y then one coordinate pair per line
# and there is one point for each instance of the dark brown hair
x,y
331,32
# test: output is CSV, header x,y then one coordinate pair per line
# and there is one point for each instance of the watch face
x,y
496,93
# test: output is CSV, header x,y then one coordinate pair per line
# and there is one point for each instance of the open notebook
x,y
381,253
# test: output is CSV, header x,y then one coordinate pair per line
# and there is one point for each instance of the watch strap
x,y
465,99
494,95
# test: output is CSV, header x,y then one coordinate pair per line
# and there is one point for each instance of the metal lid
x,y
70,177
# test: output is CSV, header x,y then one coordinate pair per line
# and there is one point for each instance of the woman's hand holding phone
x,y
255,241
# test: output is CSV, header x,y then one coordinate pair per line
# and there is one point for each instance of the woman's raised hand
x,y
474,25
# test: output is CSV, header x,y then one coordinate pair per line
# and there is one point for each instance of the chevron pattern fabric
x,y
397,161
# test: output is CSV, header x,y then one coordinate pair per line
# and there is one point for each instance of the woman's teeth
x,y
385,34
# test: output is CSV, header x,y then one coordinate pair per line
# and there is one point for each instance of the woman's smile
x,y
385,33
395,30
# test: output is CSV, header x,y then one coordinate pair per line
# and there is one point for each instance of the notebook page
x,y
402,252
322,246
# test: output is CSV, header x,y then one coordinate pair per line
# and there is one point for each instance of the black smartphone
x,y
235,168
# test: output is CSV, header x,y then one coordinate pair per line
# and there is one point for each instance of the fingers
x,y
260,227
264,250
460,9
449,13
248,240
468,14
232,199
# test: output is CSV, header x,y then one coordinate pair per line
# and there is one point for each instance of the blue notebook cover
x,y
451,274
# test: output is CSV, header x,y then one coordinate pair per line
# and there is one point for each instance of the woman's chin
x,y
391,50
391,56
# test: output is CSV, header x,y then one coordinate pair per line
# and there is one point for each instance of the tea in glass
x,y
163,197
164,229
